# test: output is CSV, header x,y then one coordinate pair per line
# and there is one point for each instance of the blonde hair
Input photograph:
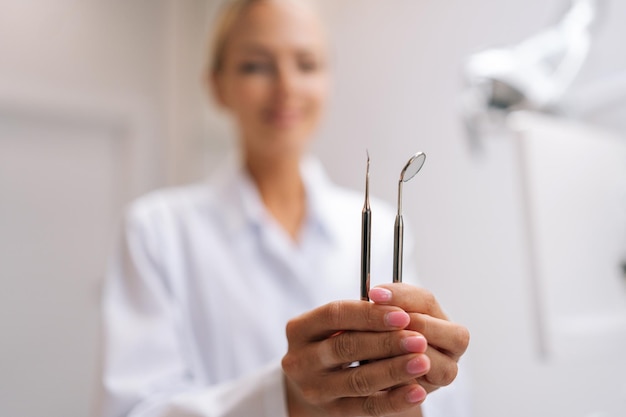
x,y
228,14
227,17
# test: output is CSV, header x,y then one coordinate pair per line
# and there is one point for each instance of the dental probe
x,y
366,236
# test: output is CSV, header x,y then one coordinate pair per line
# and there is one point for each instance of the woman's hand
x,y
447,341
325,341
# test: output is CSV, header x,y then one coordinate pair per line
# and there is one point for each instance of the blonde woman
x,y
209,278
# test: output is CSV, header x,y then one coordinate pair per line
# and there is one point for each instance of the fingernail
x,y
419,365
397,319
416,395
380,295
415,344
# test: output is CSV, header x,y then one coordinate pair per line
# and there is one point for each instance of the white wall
x,y
397,81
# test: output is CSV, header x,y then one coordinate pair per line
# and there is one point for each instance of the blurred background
x,y
519,215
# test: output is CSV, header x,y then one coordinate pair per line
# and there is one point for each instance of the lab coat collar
x,y
320,195
241,205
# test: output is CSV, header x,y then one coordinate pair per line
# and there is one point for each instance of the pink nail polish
x,y
415,344
416,395
380,295
397,319
417,366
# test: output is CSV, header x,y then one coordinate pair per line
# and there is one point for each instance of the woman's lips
x,y
283,117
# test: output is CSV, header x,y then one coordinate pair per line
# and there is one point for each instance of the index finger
x,y
337,316
409,298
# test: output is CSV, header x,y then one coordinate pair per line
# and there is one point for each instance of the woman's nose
x,y
286,81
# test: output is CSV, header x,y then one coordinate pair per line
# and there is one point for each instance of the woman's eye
x,y
307,66
255,67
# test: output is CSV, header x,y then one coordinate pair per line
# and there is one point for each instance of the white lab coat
x,y
202,285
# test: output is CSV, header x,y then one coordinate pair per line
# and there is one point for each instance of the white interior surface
x,y
60,188
397,78
576,179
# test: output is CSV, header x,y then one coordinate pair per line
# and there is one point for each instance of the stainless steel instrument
x,y
411,168
366,237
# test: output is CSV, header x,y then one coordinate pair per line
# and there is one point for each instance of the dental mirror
x,y
412,167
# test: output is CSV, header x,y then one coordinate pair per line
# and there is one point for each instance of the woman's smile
x,y
283,117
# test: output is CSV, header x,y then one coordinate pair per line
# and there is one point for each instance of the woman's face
x,y
273,77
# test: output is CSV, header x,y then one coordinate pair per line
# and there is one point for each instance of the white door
x,y
64,179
